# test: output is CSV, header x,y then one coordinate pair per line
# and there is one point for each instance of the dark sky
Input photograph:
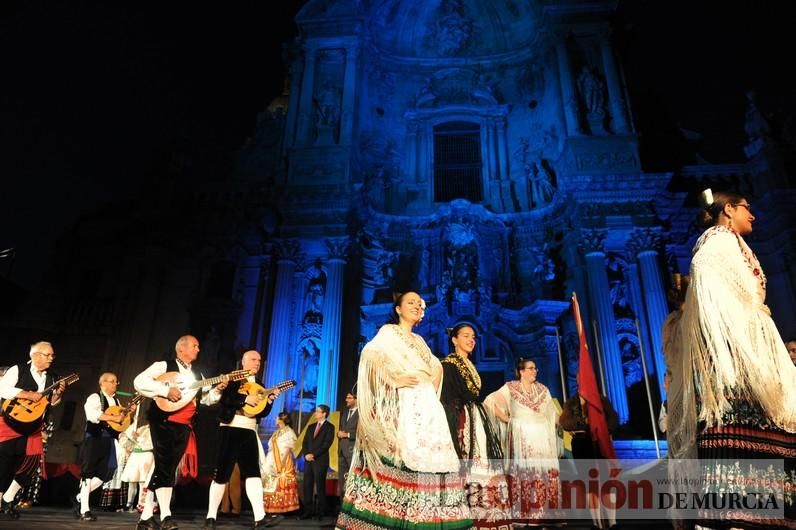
x,y
95,95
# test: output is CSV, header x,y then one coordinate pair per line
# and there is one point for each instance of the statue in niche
x,y
631,361
424,269
538,171
540,180
316,289
310,358
592,91
328,105
756,127
461,263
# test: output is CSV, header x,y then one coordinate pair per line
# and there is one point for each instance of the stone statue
x,y
310,355
424,270
328,102
592,91
385,267
540,180
316,289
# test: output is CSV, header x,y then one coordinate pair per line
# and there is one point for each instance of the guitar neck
x,y
55,384
209,382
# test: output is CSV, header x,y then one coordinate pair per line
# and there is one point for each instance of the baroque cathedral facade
x,y
482,153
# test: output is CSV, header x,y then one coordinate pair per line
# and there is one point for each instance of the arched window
x,y
457,162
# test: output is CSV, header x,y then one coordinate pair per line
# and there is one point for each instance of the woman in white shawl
x,y
405,470
527,408
733,395
279,472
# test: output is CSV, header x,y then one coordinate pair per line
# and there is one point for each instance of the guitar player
x,y
238,443
172,435
96,463
20,453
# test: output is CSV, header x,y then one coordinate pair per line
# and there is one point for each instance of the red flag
x,y
588,390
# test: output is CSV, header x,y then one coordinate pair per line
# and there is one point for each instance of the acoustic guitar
x,y
23,415
254,389
188,387
125,412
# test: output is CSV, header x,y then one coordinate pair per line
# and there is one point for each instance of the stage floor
x,y
44,518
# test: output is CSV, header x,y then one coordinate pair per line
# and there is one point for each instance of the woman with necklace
x,y
471,430
527,408
405,470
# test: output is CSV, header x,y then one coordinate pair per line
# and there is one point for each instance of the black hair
x,y
521,362
454,332
710,214
285,417
397,299
325,409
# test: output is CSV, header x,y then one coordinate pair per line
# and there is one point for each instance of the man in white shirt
x,y
20,452
97,465
171,431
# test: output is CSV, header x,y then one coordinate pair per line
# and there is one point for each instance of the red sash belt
x,y
189,465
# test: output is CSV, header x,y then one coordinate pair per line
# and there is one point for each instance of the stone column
x,y
637,299
568,96
293,109
277,368
328,367
647,241
349,93
603,313
303,136
249,289
616,100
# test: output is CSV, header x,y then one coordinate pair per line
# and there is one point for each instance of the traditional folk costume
x,y
98,459
20,453
405,472
141,461
238,443
532,452
732,394
173,440
279,474
475,442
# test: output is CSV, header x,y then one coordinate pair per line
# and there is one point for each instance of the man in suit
x,y
317,442
347,435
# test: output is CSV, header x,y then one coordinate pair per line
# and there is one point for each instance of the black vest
x,y
25,379
154,414
96,429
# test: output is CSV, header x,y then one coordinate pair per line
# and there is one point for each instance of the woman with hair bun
x,y
738,400
405,471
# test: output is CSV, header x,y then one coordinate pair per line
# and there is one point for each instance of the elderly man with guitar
x,y
97,453
173,386
28,390
243,404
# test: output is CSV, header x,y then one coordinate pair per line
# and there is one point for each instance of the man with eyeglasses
x,y
20,453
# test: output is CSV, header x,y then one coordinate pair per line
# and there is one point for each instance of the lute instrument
x,y
250,388
23,415
188,387
125,412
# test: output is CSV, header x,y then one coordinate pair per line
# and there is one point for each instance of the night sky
x,y
96,95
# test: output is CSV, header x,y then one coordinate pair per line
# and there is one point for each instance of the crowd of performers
x,y
416,421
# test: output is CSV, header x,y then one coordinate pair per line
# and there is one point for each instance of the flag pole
x,y
561,366
599,356
649,393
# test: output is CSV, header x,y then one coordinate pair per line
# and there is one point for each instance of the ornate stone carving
x,y
288,249
539,172
756,127
592,240
338,248
609,160
453,31
643,239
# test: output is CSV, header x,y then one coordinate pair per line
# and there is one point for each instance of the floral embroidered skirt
x,y
398,498
728,453
285,497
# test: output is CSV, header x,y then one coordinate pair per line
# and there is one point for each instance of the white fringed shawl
x,y
728,343
406,426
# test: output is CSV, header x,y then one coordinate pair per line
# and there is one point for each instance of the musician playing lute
x,y
20,453
172,435
97,452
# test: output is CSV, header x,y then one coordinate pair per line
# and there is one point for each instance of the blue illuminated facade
x,y
480,152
